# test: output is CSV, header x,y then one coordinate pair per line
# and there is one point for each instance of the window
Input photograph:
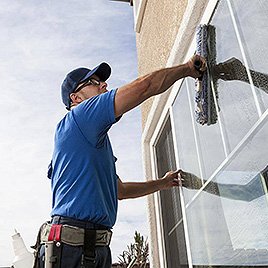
x,y
175,248
229,217
226,212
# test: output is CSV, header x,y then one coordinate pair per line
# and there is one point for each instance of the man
x,y
85,186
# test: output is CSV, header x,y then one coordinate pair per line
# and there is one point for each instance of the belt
x,y
78,223
74,236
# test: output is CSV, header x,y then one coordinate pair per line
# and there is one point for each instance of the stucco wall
x,y
159,28
157,35
166,31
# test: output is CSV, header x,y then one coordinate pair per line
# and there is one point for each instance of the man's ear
x,y
75,98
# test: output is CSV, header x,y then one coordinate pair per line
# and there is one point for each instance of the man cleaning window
x,y
85,185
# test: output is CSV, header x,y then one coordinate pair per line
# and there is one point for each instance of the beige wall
x,y
168,25
159,29
157,35
166,32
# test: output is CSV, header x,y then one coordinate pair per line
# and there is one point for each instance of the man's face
x,y
91,88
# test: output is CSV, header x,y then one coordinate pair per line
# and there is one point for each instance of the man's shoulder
x,y
101,99
64,122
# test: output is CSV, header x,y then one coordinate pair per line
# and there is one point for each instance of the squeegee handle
x,y
198,65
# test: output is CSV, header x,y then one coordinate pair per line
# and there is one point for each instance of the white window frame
x,y
157,200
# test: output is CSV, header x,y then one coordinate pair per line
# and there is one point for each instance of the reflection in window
x,y
238,110
187,150
251,18
254,187
176,255
227,221
230,216
209,140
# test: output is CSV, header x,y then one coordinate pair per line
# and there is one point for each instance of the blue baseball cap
x,y
80,75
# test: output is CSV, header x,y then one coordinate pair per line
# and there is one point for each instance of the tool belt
x,y
54,235
72,235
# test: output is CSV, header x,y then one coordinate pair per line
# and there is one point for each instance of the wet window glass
x,y
175,247
252,25
209,140
229,218
238,110
185,138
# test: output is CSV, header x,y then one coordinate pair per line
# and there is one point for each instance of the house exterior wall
x,y
157,35
203,227
160,26
159,29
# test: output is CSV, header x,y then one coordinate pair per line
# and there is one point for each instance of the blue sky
x,y
40,42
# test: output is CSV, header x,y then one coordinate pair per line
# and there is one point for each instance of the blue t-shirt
x,y
83,175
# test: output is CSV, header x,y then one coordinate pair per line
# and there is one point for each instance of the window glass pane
x,y
230,217
238,111
208,138
188,158
175,246
253,28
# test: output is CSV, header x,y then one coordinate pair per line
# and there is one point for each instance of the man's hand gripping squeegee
x,y
200,67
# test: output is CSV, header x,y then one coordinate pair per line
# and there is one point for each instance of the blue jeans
x,y
71,255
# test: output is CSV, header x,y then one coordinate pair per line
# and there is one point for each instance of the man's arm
x,y
138,189
245,192
133,94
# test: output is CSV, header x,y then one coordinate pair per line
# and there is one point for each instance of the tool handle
x,y
198,65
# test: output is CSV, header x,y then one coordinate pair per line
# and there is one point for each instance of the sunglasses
x,y
91,81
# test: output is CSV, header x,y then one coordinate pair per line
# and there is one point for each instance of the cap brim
x,y
103,71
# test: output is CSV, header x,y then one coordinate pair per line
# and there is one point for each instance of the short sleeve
x,y
95,116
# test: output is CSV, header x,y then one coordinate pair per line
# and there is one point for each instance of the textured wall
x,y
157,35
167,30
158,32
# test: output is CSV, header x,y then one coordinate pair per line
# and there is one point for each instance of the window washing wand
x,y
206,86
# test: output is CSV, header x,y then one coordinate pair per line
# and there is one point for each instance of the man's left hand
x,y
171,179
